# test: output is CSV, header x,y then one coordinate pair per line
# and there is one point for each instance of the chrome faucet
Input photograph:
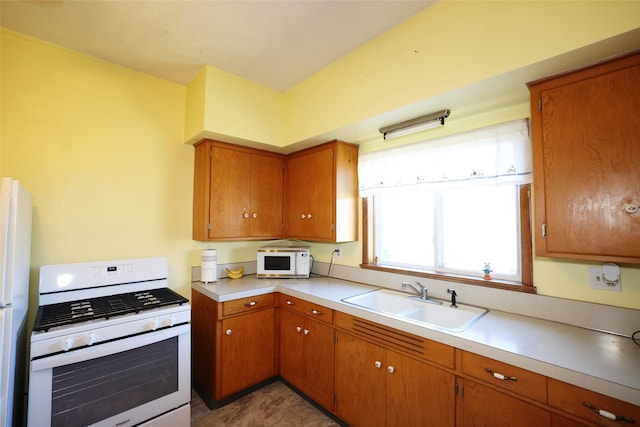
x,y
423,291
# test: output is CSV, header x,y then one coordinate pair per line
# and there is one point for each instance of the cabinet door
x,y
483,406
319,362
248,350
230,193
587,163
310,203
360,382
418,394
267,186
291,344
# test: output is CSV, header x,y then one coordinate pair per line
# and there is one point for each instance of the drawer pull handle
x,y
316,312
250,304
289,302
607,414
500,376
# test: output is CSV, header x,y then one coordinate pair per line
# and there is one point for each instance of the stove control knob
x,y
155,324
172,321
66,344
90,339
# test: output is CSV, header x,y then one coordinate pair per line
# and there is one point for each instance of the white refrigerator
x,y
15,254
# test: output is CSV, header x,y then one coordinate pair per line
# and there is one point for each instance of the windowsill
x,y
468,280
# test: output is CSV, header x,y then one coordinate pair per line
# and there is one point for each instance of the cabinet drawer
x,y
517,380
575,400
315,311
243,305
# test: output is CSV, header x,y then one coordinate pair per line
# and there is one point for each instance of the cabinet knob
x,y
251,303
306,332
245,215
391,369
228,332
303,216
298,329
631,208
289,302
377,364
316,312
309,215
254,215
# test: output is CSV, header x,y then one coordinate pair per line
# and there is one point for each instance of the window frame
x,y
526,251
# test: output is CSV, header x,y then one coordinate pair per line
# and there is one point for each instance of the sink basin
x,y
405,307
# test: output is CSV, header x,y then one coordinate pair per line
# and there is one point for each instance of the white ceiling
x,y
272,42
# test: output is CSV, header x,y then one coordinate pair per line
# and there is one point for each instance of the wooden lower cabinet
x,y
247,350
368,374
380,387
360,382
231,353
480,405
307,356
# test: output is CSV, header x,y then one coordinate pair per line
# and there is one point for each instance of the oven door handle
x,y
108,348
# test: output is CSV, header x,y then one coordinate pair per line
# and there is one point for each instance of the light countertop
x,y
602,362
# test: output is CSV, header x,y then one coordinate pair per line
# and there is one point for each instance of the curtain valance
x,y
498,154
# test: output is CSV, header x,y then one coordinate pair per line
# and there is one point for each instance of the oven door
x,y
120,383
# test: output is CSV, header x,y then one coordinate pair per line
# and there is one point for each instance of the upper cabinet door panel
x,y
310,207
267,187
230,195
586,136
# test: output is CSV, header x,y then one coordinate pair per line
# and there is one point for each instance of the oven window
x,y
277,263
93,390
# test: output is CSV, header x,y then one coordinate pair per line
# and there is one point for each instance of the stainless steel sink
x,y
403,306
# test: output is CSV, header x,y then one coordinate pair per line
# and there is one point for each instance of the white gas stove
x,y
110,345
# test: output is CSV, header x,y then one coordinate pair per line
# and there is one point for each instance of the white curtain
x,y
498,154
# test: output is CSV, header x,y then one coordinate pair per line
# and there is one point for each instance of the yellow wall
x,y
100,148
223,105
445,47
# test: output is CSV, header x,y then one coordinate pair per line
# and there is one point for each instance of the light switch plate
x,y
596,281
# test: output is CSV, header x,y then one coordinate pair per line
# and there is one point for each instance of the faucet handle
x,y
454,294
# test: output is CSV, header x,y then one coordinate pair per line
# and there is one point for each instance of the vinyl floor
x,y
273,405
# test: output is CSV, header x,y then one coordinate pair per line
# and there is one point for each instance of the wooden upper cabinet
x,y
322,193
238,193
586,156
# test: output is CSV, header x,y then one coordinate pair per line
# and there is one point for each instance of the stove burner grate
x,y
66,313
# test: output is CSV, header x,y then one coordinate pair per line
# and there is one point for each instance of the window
x,y
453,207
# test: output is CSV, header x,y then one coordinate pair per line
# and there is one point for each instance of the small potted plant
x,y
487,270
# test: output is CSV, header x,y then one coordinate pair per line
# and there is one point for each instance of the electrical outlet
x,y
596,281
338,251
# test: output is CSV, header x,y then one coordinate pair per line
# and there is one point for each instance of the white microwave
x,y
283,262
